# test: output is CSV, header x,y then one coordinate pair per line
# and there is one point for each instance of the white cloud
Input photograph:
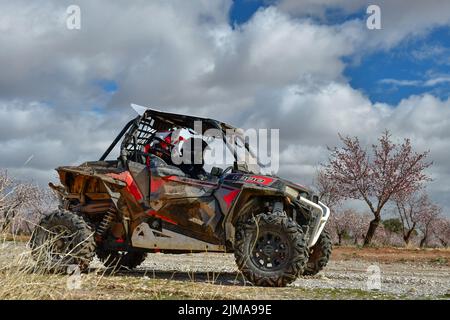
x,y
402,83
37,138
317,117
400,20
278,70
438,53
437,80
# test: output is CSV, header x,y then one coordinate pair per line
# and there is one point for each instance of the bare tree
x,y
10,199
341,223
411,211
328,190
358,227
6,189
441,230
392,169
22,203
426,222
387,237
39,201
382,235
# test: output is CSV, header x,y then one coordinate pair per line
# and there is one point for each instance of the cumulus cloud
x,y
310,122
401,20
36,137
282,69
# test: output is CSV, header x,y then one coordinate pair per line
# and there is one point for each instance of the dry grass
x,y
40,287
14,238
21,278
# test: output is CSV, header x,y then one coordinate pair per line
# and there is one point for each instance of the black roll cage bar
x,y
149,118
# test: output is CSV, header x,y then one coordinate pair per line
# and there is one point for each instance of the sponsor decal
x,y
250,179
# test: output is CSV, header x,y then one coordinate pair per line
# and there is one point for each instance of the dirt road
x,y
416,278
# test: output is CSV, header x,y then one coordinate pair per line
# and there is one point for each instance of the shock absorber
x,y
278,207
106,221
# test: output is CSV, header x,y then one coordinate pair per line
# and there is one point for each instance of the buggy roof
x,y
151,120
185,120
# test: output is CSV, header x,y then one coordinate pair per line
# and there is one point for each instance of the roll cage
x,y
140,132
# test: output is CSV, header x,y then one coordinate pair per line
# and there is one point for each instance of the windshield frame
x,y
254,168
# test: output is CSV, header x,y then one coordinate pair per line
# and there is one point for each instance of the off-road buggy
x,y
143,202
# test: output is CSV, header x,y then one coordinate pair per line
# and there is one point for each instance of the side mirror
x,y
216,171
239,167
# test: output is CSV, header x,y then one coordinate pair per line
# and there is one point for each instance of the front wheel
x,y
319,254
270,249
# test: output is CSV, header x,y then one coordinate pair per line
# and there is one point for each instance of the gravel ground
x,y
408,280
414,279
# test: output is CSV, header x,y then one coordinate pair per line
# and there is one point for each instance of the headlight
x,y
291,192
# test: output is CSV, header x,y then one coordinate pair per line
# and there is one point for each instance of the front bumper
x,y
321,213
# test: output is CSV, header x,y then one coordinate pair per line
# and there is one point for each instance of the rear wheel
x,y
62,240
319,254
270,249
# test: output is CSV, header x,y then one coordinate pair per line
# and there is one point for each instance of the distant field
x,y
390,255
405,273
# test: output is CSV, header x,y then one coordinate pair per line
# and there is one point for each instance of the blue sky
x,y
386,76
243,10
408,62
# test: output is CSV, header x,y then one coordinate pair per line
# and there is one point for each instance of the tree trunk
x,y
372,228
406,239
423,242
407,236
339,239
27,229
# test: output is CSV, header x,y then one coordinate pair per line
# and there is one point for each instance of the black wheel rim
x,y
270,251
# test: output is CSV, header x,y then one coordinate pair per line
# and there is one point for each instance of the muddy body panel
x,y
142,200
160,208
